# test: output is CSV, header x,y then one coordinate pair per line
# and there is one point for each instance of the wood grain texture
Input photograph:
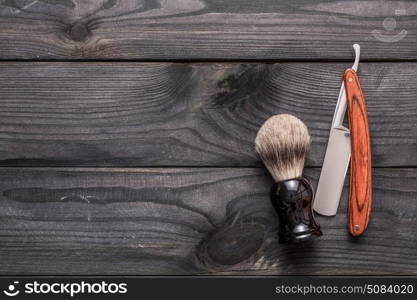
x,y
360,189
189,221
207,29
176,114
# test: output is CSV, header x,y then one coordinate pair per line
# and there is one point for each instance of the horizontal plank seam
x,y
169,167
206,275
214,60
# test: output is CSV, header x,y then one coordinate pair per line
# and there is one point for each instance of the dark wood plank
x,y
206,29
189,221
176,114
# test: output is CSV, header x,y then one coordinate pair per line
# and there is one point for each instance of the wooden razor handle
x,y
360,193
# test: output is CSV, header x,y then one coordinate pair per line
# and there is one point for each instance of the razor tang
x,y
337,157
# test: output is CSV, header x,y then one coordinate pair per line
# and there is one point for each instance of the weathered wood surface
x,y
206,29
192,220
189,221
175,114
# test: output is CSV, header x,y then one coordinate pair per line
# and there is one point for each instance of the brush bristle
x,y
282,143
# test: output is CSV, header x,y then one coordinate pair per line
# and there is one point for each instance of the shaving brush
x,y
282,143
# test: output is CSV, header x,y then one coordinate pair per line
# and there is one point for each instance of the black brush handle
x,y
293,201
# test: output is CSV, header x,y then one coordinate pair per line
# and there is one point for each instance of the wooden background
x,y
127,128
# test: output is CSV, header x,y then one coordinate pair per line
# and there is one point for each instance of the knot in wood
x,y
78,32
234,244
